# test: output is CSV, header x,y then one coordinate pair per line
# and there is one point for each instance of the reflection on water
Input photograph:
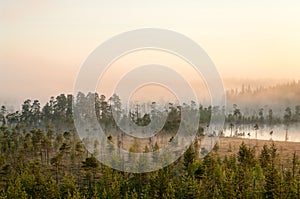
x,y
266,132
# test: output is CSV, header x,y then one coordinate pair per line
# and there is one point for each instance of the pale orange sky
x,y
44,43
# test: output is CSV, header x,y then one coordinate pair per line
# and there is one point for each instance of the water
x,y
264,132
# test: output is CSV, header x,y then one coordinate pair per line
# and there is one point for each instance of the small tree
x,y
90,165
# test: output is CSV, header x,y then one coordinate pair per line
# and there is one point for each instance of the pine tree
x,y
246,156
272,176
16,190
188,159
265,157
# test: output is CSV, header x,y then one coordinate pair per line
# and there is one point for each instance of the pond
x,y
266,132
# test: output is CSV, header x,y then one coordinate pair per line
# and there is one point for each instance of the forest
x,y
277,96
41,156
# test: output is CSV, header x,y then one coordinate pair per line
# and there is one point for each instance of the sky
x,y
44,43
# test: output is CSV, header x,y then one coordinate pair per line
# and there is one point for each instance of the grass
x,y
285,149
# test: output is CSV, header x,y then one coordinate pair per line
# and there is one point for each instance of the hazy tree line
x,y
41,156
248,90
278,97
57,112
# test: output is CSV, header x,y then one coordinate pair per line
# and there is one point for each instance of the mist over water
x,y
280,132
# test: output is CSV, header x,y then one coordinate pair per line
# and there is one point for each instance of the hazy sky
x,y
44,43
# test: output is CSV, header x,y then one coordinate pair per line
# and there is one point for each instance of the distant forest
x,y
277,97
41,156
